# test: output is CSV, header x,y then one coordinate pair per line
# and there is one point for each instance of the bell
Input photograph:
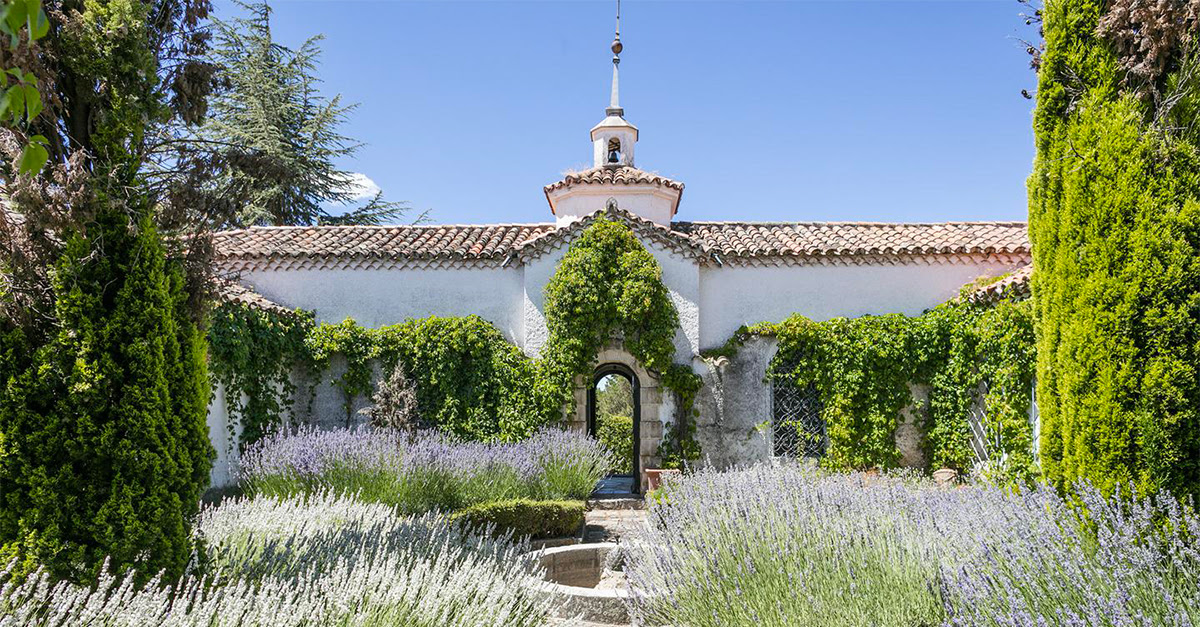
x,y
614,156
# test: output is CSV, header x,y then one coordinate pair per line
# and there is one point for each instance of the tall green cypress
x,y
1115,226
105,445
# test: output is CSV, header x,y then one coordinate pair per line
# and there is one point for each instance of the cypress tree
x,y
106,447
1115,226
103,384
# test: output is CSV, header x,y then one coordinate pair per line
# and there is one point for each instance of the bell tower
x,y
613,139
613,175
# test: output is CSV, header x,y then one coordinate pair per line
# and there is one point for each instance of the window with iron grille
x,y
797,428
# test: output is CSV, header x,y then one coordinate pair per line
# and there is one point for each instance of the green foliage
x,y
470,381
103,445
615,433
614,396
525,518
20,101
283,137
253,353
863,369
607,285
986,350
1115,226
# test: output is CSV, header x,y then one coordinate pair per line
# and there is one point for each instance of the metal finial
x,y
616,44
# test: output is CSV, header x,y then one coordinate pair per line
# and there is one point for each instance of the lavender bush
x,y
426,471
796,546
316,560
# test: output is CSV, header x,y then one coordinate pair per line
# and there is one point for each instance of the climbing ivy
x,y
983,357
965,352
608,285
470,381
861,368
252,352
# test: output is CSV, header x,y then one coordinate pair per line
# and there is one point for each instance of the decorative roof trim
x,y
671,240
615,175
924,259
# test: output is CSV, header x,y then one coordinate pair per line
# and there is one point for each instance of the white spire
x,y
613,138
614,105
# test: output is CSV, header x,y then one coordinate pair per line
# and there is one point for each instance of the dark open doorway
x,y
614,417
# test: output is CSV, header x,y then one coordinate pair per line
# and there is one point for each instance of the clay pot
x,y
945,476
655,477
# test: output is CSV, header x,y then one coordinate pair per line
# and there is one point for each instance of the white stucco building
x,y
721,275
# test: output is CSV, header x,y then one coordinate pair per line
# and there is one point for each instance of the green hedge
x,y
1116,234
526,518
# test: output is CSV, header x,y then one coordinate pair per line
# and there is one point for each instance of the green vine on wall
x,y
470,381
608,285
252,352
965,352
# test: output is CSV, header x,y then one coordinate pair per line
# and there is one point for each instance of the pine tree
x,y
281,135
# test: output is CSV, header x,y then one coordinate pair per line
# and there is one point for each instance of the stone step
x,y
625,501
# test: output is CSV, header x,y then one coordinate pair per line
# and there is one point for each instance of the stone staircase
x,y
613,510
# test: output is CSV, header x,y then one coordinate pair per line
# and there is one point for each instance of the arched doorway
x,y
605,423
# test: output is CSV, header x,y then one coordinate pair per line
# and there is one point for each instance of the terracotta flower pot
x,y
945,476
655,477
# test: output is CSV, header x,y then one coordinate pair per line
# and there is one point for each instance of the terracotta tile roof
x,y
371,246
1015,286
234,292
752,239
622,175
781,243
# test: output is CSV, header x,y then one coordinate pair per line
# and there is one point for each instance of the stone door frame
x,y
614,368
655,405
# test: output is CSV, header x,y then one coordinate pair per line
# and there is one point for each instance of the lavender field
x,y
796,546
424,472
311,560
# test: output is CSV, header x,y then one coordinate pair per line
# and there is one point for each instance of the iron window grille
x,y
797,428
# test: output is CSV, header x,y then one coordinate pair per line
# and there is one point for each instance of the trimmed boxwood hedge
x,y
526,517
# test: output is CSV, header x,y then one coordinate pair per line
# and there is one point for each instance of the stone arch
x,y
653,403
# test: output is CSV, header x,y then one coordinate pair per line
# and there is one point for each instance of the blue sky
x,y
835,110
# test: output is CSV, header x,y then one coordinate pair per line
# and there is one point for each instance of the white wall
x,y
732,296
376,298
649,202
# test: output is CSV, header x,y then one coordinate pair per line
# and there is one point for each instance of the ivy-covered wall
x,y
608,289
865,370
470,380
